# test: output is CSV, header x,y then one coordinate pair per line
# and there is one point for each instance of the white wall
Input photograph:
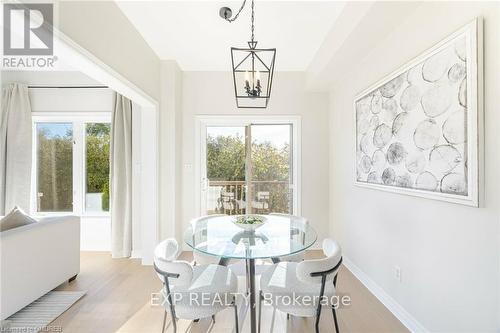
x,y
137,236
212,93
448,253
101,28
170,149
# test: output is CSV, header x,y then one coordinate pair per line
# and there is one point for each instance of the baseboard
x,y
136,254
394,307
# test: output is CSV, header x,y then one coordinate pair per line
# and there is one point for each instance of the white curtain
x,y
121,178
15,148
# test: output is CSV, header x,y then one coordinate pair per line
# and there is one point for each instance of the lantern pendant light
x,y
252,68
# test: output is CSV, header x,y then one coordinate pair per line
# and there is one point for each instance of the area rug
x,y
36,316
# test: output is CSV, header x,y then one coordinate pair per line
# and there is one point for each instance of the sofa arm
x,y
36,258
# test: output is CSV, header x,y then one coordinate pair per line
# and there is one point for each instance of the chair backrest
x,y
201,221
227,196
280,214
165,259
200,258
204,217
333,254
293,218
263,195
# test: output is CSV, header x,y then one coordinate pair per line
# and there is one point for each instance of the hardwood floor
x,y
119,291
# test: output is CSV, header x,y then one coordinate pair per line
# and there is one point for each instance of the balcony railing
x,y
230,197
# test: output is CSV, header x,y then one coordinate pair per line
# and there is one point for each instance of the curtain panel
x,y
121,178
15,148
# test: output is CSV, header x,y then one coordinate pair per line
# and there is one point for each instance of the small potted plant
x,y
249,222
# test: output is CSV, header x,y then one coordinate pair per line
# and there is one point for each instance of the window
x,y
97,137
54,167
71,163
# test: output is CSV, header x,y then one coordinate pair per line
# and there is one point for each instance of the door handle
x,y
204,184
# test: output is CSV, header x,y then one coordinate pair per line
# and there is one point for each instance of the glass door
x,y
247,169
270,169
224,184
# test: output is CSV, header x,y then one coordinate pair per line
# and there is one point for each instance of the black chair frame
x,y
323,275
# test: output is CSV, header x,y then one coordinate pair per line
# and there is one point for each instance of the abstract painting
x,y
416,130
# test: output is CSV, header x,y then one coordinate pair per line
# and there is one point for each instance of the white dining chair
x,y
182,283
201,258
309,279
301,221
261,205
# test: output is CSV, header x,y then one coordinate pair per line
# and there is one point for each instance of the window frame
x,y
78,121
204,121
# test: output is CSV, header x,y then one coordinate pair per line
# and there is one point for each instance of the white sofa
x,y
35,259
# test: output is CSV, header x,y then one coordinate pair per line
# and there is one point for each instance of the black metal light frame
x,y
253,54
251,91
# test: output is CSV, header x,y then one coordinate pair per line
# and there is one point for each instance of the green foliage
x,y
271,171
55,171
98,129
270,167
105,197
97,151
226,158
270,163
97,145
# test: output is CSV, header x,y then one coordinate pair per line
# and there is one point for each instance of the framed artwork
x,y
417,130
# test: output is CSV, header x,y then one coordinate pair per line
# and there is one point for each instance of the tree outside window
x,y
97,167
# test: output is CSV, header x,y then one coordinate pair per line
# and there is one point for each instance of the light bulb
x,y
258,79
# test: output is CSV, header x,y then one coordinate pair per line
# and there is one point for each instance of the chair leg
x,y
260,310
316,325
237,325
164,321
335,320
174,320
319,308
174,324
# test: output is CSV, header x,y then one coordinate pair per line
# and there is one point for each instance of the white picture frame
x,y
460,185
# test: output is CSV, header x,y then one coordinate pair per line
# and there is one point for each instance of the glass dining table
x,y
279,236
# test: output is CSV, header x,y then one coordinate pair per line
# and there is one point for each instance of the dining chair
x,y
201,258
208,284
301,221
261,205
230,203
309,279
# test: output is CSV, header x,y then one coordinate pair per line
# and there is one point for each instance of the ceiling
x,y
193,34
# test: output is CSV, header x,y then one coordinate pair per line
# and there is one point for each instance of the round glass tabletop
x,y
278,236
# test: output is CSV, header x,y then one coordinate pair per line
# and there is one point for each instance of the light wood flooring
x,y
119,292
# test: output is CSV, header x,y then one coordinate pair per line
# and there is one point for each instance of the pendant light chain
x,y
237,14
253,16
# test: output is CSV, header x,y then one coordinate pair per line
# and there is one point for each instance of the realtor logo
x,y
28,29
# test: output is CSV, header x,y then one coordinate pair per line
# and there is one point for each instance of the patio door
x,y
248,167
